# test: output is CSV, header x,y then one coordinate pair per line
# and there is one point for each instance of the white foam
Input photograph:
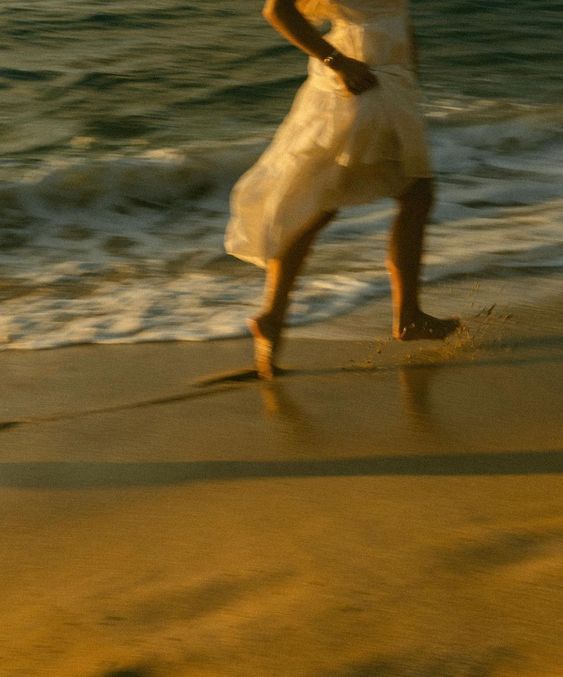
x,y
125,250
193,308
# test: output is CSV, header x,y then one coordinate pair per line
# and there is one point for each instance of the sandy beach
x,y
381,509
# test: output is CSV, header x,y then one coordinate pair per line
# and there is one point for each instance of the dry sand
x,y
382,509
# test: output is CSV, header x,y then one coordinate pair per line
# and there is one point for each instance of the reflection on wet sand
x,y
293,421
415,385
296,421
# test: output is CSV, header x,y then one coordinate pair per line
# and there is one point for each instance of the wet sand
x,y
382,509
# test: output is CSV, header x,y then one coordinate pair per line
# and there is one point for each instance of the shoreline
x,y
469,298
129,391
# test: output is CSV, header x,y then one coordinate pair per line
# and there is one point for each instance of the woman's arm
x,y
284,16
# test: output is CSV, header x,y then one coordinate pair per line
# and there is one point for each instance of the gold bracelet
x,y
330,60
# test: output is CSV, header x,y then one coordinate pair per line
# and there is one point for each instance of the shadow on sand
x,y
77,475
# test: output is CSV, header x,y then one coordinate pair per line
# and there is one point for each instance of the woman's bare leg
x,y
281,273
404,264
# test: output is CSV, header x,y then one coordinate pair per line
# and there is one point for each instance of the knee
x,y
321,221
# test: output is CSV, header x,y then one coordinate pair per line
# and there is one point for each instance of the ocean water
x,y
124,125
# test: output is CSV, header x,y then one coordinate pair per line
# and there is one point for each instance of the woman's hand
x,y
287,20
355,75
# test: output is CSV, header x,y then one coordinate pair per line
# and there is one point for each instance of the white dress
x,y
335,149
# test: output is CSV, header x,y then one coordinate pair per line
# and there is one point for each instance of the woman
x,y
354,133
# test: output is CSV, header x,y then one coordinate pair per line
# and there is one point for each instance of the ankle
x,y
265,325
408,314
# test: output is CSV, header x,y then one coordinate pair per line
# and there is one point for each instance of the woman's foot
x,y
423,326
266,337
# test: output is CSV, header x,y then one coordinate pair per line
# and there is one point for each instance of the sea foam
x,y
130,249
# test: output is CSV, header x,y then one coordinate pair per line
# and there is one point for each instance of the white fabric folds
x,y
335,149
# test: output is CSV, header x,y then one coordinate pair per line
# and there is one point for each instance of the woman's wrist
x,y
334,60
